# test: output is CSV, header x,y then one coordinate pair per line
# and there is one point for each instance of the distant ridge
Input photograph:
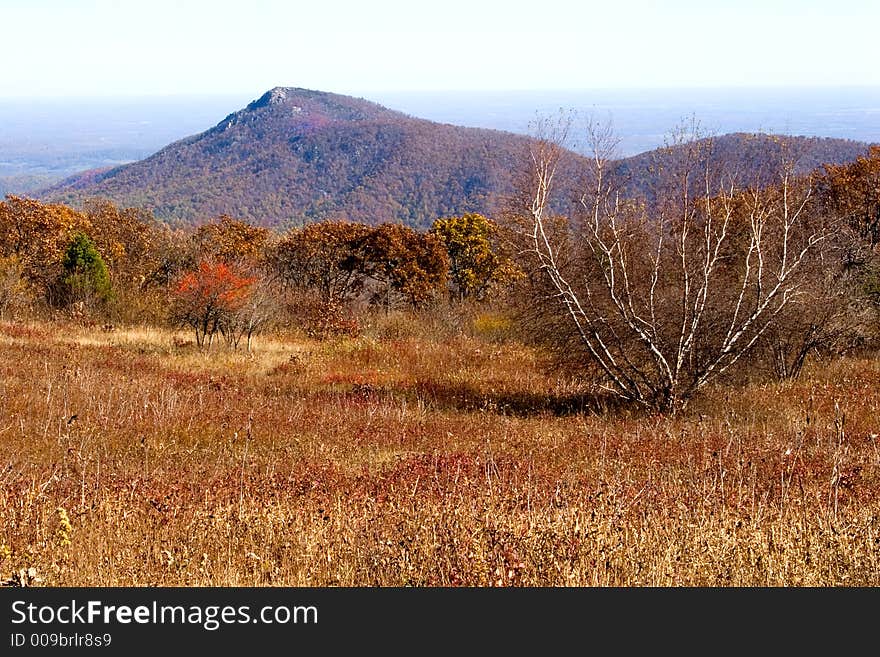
x,y
750,159
298,155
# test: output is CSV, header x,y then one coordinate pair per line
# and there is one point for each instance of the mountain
x,y
297,155
750,159
300,155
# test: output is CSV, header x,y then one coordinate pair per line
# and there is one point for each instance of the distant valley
x,y
44,140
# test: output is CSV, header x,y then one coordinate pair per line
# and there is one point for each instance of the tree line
x,y
227,278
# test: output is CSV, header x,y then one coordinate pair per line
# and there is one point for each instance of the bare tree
x,y
256,311
666,297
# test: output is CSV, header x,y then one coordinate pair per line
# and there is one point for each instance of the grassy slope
x,y
416,459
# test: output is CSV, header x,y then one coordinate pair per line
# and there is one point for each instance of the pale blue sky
x,y
111,47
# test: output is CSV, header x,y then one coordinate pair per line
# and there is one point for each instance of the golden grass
x,y
416,460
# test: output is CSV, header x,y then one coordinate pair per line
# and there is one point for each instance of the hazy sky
x,y
112,47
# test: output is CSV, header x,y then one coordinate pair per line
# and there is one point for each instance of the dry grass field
x,y
408,458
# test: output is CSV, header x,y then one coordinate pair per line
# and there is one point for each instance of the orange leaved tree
x,y
208,298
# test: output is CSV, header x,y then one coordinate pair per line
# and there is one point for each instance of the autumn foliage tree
x,y
406,262
208,298
231,240
344,261
328,257
128,239
853,192
477,264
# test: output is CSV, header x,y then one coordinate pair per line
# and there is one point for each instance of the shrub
x,y
85,278
208,297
